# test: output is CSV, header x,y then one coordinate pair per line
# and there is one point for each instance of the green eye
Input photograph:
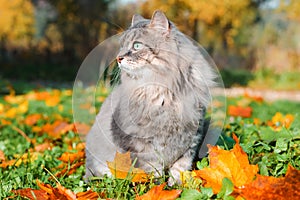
x,y
137,46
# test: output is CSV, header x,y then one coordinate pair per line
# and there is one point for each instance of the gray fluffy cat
x,y
157,111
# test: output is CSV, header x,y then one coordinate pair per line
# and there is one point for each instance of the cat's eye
x,y
137,46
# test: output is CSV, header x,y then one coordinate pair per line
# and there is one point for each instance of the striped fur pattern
x,y
157,111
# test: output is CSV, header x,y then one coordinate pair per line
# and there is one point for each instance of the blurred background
x,y
255,43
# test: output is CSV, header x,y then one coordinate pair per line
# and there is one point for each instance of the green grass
x,y
271,149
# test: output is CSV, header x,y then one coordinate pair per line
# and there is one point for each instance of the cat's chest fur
x,y
149,118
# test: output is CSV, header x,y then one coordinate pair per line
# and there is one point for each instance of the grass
x,y
270,147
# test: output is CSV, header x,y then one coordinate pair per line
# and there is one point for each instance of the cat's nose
x,y
119,59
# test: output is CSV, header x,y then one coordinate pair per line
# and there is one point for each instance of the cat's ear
x,y
136,18
159,20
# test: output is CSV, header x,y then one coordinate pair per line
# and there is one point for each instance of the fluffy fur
x,y
157,111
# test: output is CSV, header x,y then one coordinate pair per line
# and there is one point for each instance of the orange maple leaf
x,y
122,168
46,192
238,111
232,164
268,187
157,193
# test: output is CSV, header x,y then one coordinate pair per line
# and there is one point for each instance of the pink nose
x,y
119,59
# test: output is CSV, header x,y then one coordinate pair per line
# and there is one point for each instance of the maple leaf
x,y
232,164
48,192
122,168
238,111
268,187
157,193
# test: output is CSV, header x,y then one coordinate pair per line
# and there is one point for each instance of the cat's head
x,y
144,45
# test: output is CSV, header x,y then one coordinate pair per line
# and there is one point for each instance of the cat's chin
x,y
132,73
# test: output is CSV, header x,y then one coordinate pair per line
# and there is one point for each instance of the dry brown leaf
x,y
157,193
122,168
268,187
232,164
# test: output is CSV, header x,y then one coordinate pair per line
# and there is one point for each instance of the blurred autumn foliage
x,y
43,39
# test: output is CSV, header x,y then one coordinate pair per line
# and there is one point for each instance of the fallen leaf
x,y
57,129
238,111
5,122
71,157
42,95
32,119
52,101
13,99
88,195
268,187
81,128
68,170
31,193
66,192
157,193
43,147
2,156
1,108
122,168
279,120
7,163
232,164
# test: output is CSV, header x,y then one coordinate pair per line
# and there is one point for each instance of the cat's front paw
x,y
174,177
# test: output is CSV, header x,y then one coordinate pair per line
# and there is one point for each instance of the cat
x,y
157,111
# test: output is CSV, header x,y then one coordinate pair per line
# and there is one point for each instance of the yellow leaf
x,y
122,168
23,108
11,113
1,108
12,99
52,101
